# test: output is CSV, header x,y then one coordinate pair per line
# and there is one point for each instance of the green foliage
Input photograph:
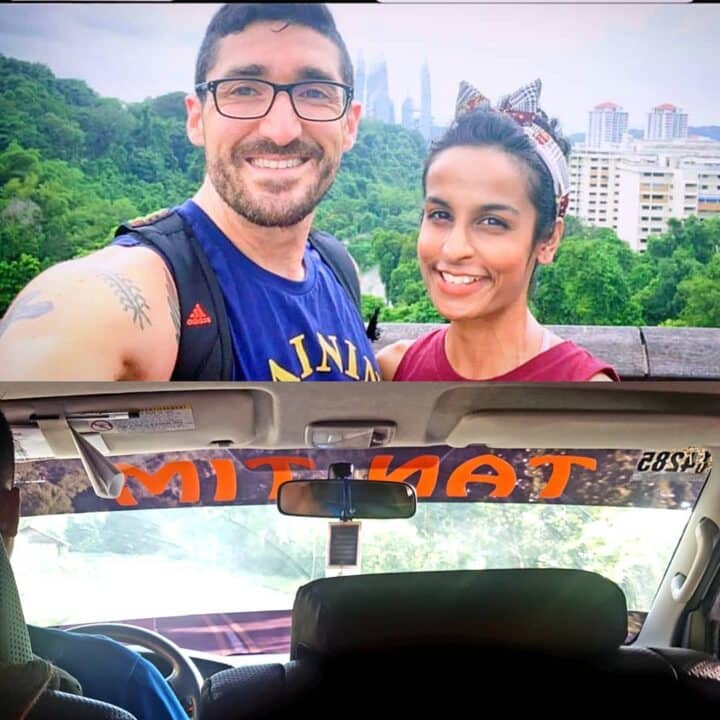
x,y
678,257
370,303
587,284
597,280
377,187
73,165
700,296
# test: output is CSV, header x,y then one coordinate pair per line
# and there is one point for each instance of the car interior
x,y
515,639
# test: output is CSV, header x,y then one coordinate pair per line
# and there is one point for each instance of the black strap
x,y
205,351
335,254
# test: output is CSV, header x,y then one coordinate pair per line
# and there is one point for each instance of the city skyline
x,y
638,56
608,123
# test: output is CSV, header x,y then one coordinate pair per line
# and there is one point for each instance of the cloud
x,y
636,55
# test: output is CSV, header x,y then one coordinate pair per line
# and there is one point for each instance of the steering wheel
x,y
185,679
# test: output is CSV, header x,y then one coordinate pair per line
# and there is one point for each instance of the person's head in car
x,y
9,495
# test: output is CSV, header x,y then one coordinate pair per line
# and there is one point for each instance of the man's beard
x,y
266,213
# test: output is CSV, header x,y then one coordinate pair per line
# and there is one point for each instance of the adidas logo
x,y
198,316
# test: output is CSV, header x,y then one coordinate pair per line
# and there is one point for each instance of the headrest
x,y
563,612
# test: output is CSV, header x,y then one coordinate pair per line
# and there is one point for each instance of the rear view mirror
x,y
347,499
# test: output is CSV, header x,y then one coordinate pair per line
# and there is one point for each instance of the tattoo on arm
x,y
173,303
25,309
130,296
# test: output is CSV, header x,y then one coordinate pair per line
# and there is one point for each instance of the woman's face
x,y
475,242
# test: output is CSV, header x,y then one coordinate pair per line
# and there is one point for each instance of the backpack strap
x,y
337,257
335,254
205,351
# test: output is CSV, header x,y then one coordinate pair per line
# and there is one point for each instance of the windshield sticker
x,y
692,460
439,474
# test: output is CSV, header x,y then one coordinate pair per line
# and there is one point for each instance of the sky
x,y
636,55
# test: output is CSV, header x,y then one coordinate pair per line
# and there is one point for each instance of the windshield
x,y
196,549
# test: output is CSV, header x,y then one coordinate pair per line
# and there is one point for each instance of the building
x,y
607,124
408,115
666,122
635,188
426,122
359,92
378,103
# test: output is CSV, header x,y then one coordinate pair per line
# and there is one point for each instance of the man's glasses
x,y
249,99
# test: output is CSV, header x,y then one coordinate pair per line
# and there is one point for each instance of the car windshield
x,y
196,549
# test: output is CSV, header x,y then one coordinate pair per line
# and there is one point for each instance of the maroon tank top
x,y
426,360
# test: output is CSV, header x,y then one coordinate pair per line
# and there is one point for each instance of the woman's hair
x,y
489,128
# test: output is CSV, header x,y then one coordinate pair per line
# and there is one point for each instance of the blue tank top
x,y
283,330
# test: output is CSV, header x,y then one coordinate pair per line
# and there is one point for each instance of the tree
x,y
14,275
700,296
574,227
588,284
659,299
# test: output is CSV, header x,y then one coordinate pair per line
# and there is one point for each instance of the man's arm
x,y
149,695
112,315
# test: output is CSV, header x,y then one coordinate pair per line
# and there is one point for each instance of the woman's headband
x,y
522,106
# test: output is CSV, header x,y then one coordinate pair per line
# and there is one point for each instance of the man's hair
x,y
7,455
235,17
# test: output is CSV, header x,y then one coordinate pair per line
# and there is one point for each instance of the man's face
x,y
274,170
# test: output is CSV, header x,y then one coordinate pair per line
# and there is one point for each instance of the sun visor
x,y
607,430
140,423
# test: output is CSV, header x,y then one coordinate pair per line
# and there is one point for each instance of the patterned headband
x,y
522,106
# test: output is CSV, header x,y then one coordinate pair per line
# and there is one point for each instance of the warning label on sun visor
x,y
162,419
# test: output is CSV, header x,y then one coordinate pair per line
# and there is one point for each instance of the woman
x,y
496,190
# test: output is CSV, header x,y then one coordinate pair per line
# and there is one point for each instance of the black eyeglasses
x,y
249,99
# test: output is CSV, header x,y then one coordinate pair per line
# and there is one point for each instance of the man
x,y
106,670
274,113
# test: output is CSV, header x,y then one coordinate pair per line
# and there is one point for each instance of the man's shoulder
x,y
52,642
150,218
113,258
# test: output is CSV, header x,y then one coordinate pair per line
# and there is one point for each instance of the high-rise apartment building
x,y
607,124
636,188
666,122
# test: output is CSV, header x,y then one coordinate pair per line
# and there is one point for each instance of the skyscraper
x,y
379,104
425,103
359,93
666,122
408,112
607,124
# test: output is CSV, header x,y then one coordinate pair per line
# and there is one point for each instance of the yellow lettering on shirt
x,y
331,351
370,374
279,374
352,368
299,345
